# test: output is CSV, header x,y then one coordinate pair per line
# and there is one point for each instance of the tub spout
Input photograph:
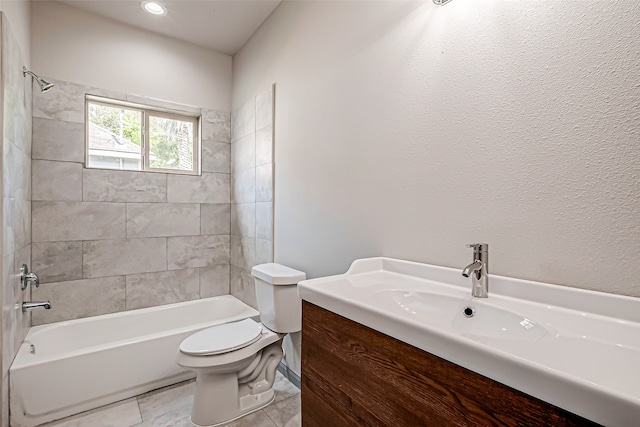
x,y
30,305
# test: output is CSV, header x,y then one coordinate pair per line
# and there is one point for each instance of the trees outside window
x,y
133,137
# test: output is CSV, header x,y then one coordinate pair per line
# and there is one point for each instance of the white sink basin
x,y
476,319
576,349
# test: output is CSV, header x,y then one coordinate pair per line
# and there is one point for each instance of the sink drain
x,y
469,311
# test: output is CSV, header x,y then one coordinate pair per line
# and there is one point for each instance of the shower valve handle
x,y
26,277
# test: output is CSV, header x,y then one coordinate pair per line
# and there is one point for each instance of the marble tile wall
x,y
252,174
109,240
251,191
16,201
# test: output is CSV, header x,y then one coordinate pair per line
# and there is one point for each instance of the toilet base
x,y
251,411
222,396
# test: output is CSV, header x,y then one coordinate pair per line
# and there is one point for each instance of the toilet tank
x,y
279,305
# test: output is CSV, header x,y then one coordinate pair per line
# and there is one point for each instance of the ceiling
x,y
220,25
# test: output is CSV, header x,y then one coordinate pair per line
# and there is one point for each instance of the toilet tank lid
x,y
277,274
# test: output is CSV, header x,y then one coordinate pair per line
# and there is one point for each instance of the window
x,y
122,135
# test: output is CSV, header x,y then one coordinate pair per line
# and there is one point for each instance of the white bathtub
x,y
85,363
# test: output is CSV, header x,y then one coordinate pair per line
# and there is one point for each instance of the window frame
x,y
146,111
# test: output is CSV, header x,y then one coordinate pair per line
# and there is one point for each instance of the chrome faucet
x,y
30,305
478,270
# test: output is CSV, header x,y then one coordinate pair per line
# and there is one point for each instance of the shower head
x,y
44,85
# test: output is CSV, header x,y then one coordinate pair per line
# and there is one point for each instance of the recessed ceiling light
x,y
154,8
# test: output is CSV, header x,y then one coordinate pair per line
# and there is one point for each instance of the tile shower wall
x,y
109,240
252,203
252,192
16,200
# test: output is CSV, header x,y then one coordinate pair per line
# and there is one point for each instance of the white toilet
x,y
235,363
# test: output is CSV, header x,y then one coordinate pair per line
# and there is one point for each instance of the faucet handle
x,y
26,277
33,277
479,247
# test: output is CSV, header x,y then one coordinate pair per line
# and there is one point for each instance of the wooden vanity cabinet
x,y
355,376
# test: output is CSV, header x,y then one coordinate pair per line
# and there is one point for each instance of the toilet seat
x,y
223,338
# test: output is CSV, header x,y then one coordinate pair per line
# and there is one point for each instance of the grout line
x,y
270,419
139,410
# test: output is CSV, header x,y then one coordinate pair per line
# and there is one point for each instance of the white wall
x,y
18,14
72,45
408,130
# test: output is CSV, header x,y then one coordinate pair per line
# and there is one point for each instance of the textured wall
x,y
18,14
408,130
109,240
16,201
72,45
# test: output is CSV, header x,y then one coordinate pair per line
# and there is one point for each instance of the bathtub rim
x,y
25,362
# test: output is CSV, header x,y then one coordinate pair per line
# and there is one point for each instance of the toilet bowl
x,y
235,367
235,363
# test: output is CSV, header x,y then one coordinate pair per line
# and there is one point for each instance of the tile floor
x,y
171,407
